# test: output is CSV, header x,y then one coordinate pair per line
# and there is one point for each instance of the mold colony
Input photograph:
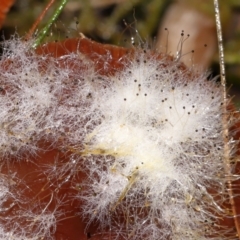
x,y
122,139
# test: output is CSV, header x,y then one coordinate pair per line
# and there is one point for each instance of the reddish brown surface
x,y
39,187
107,58
4,8
39,190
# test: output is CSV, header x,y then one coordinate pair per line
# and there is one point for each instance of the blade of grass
x,y
45,30
227,164
39,19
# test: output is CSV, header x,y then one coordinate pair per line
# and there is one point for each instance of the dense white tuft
x,y
161,135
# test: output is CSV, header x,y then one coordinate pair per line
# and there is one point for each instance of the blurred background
x,y
162,25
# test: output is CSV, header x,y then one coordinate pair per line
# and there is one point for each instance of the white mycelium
x,y
149,138
161,141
